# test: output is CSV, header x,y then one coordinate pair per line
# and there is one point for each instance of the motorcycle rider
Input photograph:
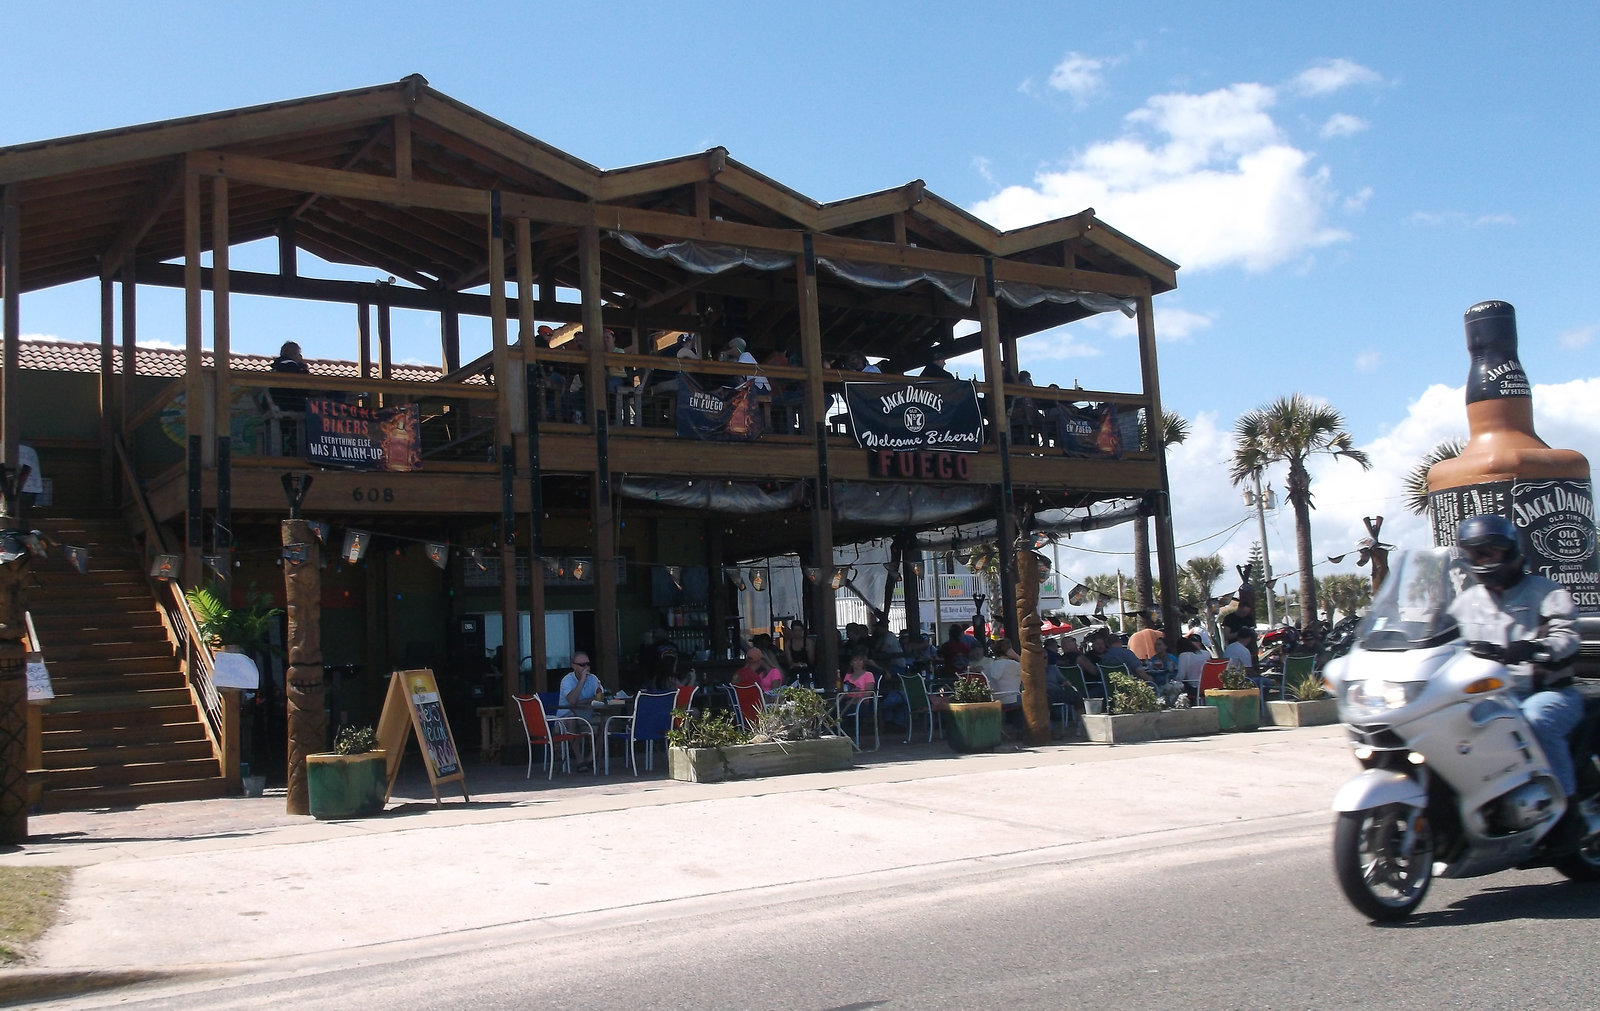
x,y
1528,623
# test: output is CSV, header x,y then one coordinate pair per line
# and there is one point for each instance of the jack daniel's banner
x,y
942,415
352,437
1556,518
718,413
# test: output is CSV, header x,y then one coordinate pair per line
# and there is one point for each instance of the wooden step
x,y
87,627
105,666
147,642
117,737
58,756
97,686
74,717
89,798
129,773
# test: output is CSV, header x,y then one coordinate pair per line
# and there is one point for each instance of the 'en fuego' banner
x,y
940,415
363,438
720,413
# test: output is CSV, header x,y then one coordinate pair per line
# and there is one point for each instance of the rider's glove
x,y
1520,651
1487,650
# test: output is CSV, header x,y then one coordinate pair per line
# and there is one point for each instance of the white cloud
x,y
1458,219
1357,201
44,337
1578,338
1333,75
1342,125
1369,361
1078,75
1207,179
1172,324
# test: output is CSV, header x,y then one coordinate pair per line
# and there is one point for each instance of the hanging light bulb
x,y
758,580
838,578
580,569
813,573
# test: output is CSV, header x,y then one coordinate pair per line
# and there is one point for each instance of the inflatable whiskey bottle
x,y
1506,469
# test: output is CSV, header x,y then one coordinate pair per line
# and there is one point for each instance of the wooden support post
x,y
200,448
824,623
509,410
308,723
221,352
1166,553
364,337
450,331
108,393
130,351
385,336
11,355
230,740
525,326
602,508
536,636
1035,704
910,562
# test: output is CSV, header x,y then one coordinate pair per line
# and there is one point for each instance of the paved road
x,y
1193,873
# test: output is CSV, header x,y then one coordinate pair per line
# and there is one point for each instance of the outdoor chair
x,y
1106,670
851,706
1210,677
652,717
917,704
748,701
1295,669
549,732
684,699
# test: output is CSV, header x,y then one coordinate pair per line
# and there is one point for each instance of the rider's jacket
x,y
1533,608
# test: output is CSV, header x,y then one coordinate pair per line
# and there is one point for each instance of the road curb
x,y
23,986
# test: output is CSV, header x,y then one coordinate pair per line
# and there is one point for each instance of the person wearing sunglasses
x,y
576,696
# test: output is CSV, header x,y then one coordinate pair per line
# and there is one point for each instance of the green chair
x,y
917,703
1295,669
1106,670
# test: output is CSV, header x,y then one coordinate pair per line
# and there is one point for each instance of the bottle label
x,y
1556,518
1494,377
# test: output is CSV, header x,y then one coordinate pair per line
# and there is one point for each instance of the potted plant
x,y
243,629
1136,715
1237,702
793,734
1309,704
349,781
972,719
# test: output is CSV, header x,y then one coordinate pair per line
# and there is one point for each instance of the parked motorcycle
x,y
1454,784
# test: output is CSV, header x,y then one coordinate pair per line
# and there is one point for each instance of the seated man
x,y
1242,652
757,671
1107,652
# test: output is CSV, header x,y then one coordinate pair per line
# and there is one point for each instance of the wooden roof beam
x,y
157,199
621,184
844,213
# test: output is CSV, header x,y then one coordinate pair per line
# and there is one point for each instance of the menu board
x,y
413,700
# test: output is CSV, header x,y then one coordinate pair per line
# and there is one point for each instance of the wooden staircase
x,y
122,729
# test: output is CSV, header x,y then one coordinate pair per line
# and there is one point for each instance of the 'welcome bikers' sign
x,y
942,416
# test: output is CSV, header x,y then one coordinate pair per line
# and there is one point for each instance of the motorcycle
x,y
1453,783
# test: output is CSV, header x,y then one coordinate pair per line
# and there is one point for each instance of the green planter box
x,y
972,726
1237,708
345,786
746,761
1316,713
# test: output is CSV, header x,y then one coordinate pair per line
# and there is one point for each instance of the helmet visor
x,y
1486,554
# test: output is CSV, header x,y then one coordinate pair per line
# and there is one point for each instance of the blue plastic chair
x,y
652,717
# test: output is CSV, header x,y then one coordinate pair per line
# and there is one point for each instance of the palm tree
x,y
1104,586
1289,430
1345,591
1174,429
1204,572
1415,485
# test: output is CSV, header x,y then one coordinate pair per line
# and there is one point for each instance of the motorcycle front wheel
x,y
1384,860
1583,865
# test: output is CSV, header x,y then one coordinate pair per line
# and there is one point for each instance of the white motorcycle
x,y
1454,783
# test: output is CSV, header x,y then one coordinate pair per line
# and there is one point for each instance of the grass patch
x,y
30,897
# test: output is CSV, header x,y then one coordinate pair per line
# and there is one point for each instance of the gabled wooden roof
x,y
89,202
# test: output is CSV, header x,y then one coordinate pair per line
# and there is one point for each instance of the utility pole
x,y
1266,556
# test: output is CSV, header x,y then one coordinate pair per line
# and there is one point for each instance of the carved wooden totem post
x,y
15,559
308,723
1035,706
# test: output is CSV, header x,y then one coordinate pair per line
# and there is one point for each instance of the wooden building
x,y
531,451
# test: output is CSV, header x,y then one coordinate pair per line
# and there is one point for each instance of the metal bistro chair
x,y
549,731
1210,677
652,717
748,701
1106,670
1295,669
684,699
850,705
917,703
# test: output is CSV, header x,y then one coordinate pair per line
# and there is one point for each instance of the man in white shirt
x,y
32,486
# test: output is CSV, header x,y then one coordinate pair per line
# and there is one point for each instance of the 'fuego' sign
x,y
924,466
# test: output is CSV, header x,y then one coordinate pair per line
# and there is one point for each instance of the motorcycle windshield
x,y
1412,610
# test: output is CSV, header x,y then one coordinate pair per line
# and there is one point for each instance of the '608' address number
x,y
373,494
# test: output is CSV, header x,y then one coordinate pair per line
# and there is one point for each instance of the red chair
x,y
550,731
1210,677
748,701
684,701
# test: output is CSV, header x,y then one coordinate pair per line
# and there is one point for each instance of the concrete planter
x,y
971,727
1316,713
346,786
746,761
1237,708
1131,728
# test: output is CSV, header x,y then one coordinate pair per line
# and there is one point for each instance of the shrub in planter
x,y
350,780
1132,695
1308,705
972,719
791,736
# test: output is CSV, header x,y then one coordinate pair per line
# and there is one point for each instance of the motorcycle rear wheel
x,y
1376,877
1584,865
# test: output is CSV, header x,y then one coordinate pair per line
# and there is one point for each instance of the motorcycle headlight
x,y
1375,696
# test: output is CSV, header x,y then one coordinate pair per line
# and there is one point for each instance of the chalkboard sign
x,y
413,700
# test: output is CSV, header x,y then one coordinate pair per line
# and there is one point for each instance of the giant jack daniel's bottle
x,y
1506,469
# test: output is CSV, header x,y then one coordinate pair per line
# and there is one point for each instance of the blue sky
x,y
1338,185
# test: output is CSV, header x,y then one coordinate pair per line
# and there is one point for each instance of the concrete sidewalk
x,y
182,887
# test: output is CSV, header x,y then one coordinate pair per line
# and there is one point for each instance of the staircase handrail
x,y
183,631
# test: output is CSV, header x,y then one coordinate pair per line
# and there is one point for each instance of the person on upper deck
x,y
737,351
936,370
290,360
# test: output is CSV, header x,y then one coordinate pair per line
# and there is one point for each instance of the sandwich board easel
x,y
413,700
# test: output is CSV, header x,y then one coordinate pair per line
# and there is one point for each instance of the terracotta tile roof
x,y
73,356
